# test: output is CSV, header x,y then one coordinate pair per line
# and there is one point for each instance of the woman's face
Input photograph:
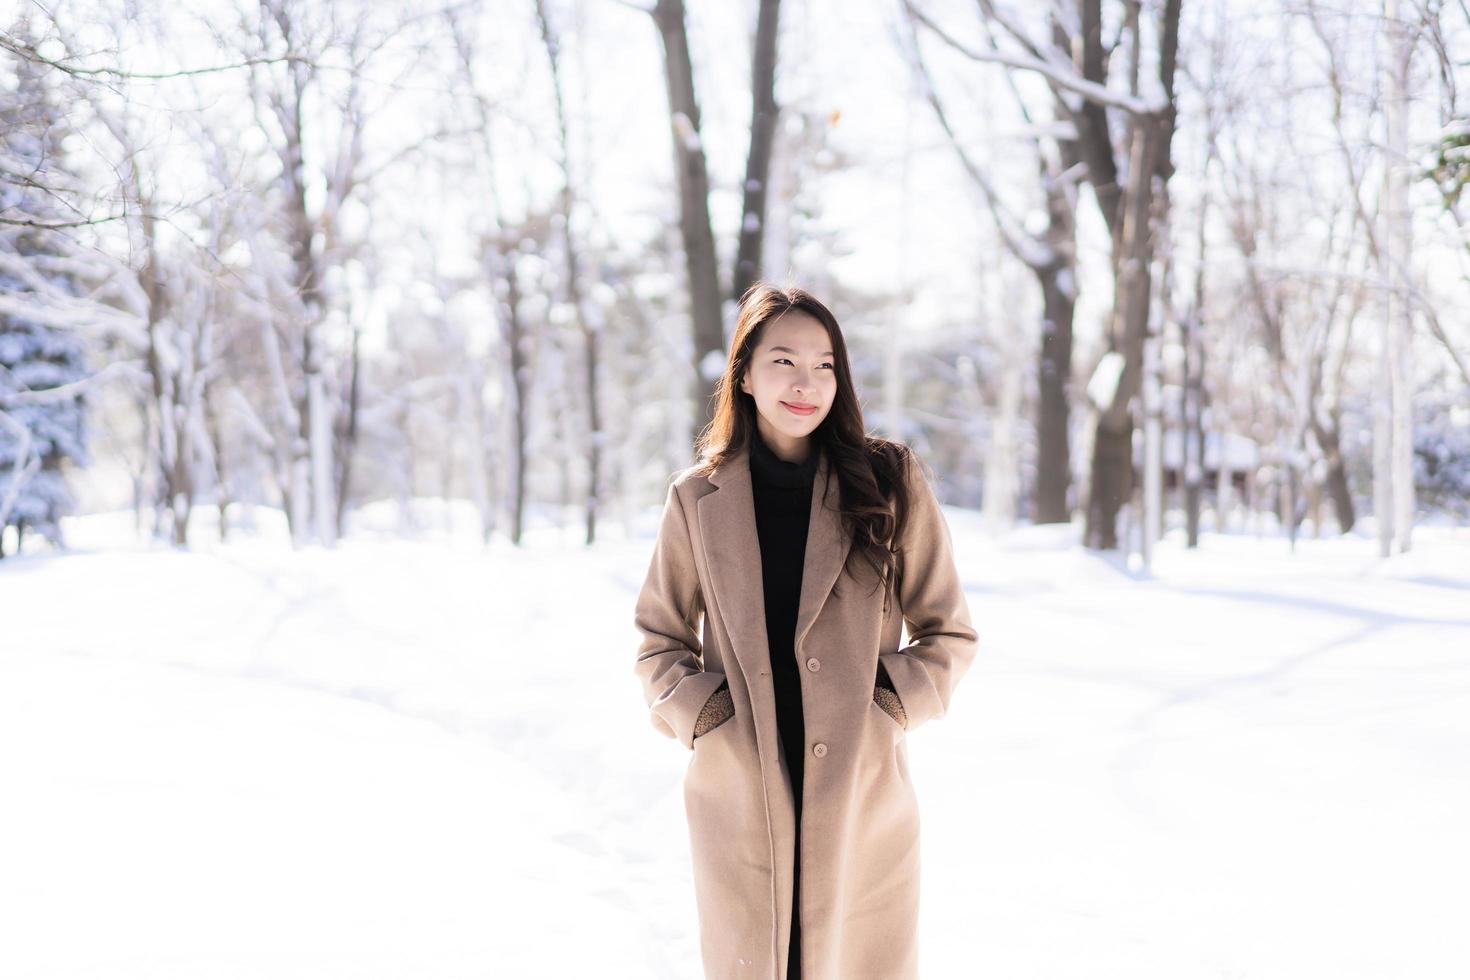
x,y
793,378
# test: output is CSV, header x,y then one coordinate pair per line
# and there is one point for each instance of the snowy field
x,y
409,758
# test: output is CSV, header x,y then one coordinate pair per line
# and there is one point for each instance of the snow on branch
x,y
1053,70
133,369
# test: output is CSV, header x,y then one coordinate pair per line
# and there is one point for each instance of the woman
x,y
787,562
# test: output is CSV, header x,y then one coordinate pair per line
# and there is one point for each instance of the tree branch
x,y
1063,78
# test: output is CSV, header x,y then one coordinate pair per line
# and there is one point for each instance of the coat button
x,y
819,750
812,663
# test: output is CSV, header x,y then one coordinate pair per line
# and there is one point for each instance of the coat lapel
x,y
826,549
732,552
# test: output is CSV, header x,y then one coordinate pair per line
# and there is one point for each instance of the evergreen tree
x,y
36,435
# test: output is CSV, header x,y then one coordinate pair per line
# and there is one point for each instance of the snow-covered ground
x,y
411,758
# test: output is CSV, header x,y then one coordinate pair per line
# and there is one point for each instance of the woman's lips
x,y
800,411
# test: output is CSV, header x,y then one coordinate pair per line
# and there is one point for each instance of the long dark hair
x,y
868,469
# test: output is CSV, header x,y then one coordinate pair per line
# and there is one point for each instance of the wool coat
x,y
702,619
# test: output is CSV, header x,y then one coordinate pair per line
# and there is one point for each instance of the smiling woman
x,y
803,823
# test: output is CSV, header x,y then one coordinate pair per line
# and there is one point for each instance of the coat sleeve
x,y
668,613
942,641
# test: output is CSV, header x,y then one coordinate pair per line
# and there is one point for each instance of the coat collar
x,y
732,554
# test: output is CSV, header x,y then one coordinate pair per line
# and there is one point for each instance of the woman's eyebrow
x,y
825,353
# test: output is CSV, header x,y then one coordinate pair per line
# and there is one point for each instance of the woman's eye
x,y
823,364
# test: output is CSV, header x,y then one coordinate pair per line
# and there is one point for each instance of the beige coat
x,y
860,818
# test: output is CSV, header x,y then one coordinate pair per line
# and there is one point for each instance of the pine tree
x,y
36,435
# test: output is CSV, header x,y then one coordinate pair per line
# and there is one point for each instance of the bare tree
x,y
1387,233
1076,63
333,49
1050,255
498,242
588,321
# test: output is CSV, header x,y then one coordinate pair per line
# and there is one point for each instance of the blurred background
x,y
347,348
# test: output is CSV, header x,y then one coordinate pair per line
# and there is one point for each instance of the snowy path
x,y
409,760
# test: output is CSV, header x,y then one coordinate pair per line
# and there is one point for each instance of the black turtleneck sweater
x,y
783,501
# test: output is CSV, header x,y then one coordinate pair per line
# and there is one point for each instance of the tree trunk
x,y
1393,477
346,431
1053,450
699,241
1151,133
764,116
517,340
1151,516
1193,435
1112,449
1336,478
324,520
222,488
1058,281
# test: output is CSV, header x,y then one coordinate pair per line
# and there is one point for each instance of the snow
x,y
1102,387
687,135
406,757
1067,283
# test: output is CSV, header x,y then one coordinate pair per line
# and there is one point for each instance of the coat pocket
x,y
718,709
718,727
723,724
878,705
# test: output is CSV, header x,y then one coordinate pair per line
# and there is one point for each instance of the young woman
x,y
788,561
